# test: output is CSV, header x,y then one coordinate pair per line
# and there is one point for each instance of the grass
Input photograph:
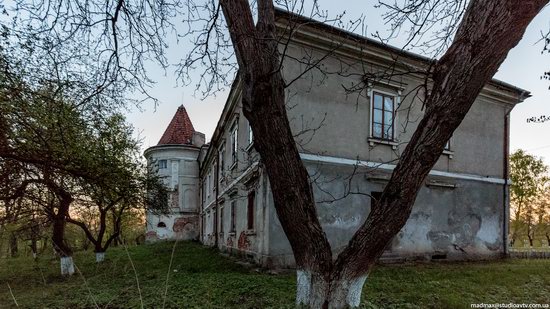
x,y
201,278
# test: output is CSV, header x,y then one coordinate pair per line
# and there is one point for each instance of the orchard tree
x,y
123,187
123,34
529,176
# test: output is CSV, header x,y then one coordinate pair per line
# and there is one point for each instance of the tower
x,y
174,158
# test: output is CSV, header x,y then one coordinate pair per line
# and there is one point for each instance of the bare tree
x,y
487,30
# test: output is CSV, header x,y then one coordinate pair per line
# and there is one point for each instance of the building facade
x,y
350,129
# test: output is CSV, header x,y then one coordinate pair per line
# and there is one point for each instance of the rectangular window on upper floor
x,y
208,184
234,143
222,160
383,116
250,136
163,164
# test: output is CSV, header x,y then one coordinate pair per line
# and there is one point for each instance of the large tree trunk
x,y
488,31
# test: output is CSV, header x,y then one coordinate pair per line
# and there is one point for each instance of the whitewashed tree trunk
x,y
67,265
314,291
99,257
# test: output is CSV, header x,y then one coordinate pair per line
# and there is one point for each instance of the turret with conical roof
x,y
180,131
174,158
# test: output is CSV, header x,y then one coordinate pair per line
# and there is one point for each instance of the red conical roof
x,y
180,130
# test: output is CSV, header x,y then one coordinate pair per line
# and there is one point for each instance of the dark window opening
x,y
163,164
374,198
221,220
439,256
233,216
250,210
161,224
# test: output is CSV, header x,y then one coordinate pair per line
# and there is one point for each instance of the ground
x,y
201,278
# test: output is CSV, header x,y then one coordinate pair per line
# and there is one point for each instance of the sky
x,y
523,68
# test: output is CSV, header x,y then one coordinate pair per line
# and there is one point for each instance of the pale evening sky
x,y
523,68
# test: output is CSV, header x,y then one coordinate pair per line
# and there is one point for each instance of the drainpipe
x,y
201,196
505,191
216,178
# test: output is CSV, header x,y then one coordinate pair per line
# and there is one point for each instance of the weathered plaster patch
x,y
343,223
243,243
489,232
415,233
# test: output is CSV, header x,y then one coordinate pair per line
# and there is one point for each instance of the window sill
x,y
373,140
449,153
231,233
250,232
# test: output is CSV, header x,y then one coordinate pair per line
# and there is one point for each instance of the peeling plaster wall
x,y
181,176
459,223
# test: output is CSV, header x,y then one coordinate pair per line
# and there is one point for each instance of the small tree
x,y
123,185
528,176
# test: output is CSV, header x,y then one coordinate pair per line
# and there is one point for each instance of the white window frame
x,y
250,136
165,164
234,137
396,103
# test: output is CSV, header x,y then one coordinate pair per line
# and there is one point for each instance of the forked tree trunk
x,y
490,28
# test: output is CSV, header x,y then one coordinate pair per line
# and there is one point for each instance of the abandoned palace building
x,y
350,129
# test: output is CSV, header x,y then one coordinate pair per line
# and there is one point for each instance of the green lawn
x,y
201,278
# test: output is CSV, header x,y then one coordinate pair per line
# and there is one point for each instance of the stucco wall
x,y
181,176
341,119
464,222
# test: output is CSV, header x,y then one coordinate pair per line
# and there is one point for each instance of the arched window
x,y
161,224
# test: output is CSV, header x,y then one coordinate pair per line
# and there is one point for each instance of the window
x,y
203,192
221,218
233,216
250,210
250,135
234,143
383,114
208,183
163,164
161,224
222,160
448,145
374,198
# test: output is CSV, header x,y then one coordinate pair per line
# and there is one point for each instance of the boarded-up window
x,y
250,210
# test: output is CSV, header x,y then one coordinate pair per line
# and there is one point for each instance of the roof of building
x,y
345,34
179,131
